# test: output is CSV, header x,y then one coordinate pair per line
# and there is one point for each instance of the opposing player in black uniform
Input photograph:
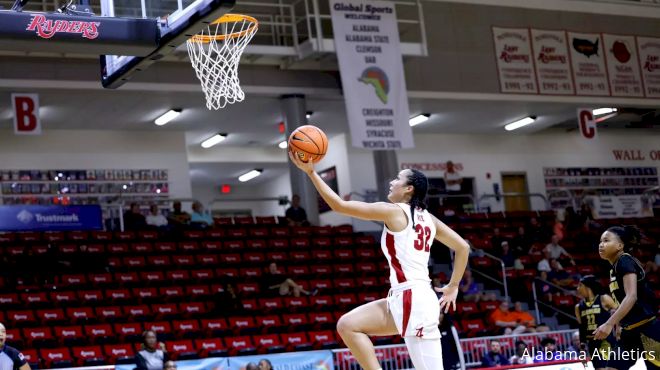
x,y
10,357
593,311
636,314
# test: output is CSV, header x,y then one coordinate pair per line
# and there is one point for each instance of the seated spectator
x,y
496,240
275,280
227,302
251,366
536,250
494,357
265,364
522,355
169,365
296,215
544,264
470,291
535,230
152,354
556,250
652,266
506,320
550,352
545,289
178,217
576,347
521,243
558,229
155,217
559,276
199,217
134,219
523,317
506,254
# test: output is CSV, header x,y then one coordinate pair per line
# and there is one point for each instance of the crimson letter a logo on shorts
x,y
26,114
419,333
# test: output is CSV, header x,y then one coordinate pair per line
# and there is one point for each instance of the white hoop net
x,y
215,54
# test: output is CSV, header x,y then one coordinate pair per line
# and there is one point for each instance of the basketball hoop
x,y
215,53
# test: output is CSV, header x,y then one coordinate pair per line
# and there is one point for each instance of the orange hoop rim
x,y
227,18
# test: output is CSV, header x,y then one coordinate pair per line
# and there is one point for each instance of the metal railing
x,y
503,283
544,304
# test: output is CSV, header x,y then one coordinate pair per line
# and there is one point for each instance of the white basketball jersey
x,y
408,250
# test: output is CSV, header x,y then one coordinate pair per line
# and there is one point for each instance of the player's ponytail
x,y
420,186
629,235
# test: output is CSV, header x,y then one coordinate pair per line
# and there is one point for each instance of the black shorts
x,y
603,347
644,339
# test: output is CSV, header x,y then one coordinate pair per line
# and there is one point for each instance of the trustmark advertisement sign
x,y
649,57
623,65
553,67
368,48
515,63
34,218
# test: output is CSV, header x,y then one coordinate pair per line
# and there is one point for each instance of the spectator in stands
x,y
450,356
576,347
544,264
251,366
556,250
521,243
523,317
550,352
12,359
453,181
296,215
494,357
558,229
155,217
652,266
134,219
228,302
199,216
169,365
506,321
506,255
178,217
545,289
152,354
264,364
522,355
559,276
470,291
497,239
275,280
535,230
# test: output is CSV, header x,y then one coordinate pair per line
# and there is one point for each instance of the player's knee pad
x,y
426,354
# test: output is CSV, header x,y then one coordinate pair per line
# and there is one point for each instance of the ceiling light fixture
x,y
167,117
249,175
414,121
520,123
601,111
213,140
283,144
309,113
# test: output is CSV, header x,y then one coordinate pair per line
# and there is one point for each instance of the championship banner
x,y
309,360
588,62
34,218
552,62
649,57
211,363
515,63
623,65
367,43
622,206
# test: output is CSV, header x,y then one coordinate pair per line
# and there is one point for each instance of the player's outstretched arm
x,y
450,238
379,211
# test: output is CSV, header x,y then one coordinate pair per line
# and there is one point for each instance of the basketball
x,y
308,142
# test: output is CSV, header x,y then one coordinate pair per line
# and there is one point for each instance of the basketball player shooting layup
x,y
411,308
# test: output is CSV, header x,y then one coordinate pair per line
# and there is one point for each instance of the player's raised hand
x,y
307,167
448,299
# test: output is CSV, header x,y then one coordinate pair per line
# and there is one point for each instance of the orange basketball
x,y
308,142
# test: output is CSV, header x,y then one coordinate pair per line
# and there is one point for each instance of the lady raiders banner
x,y
649,57
367,44
553,67
515,62
623,65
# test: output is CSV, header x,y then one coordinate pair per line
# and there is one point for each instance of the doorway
x,y
515,183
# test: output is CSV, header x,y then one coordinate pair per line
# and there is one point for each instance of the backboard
x,y
177,21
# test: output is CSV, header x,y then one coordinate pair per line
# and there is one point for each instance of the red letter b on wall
x,y
26,114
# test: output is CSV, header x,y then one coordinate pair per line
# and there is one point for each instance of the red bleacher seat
x,y
15,337
248,288
186,328
323,339
276,256
162,261
70,335
56,357
296,303
165,247
174,293
89,355
473,327
202,275
242,324
321,320
124,235
322,242
298,270
488,306
99,333
300,256
80,314
237,233
118,295
9,300
181,349
119,353
296,341
215,327
251,272
192,309
321,301
215,233
300,243
31,357
51,316
197,292
183,260
230,258
137,312
301,231
321,255
230,272
254,258
35,298
279,231
278,243
38,337
207,259
343,269
269,220
189,246
118,248
90,296
177,276
271,304
146,294
66,297
269,323
256,244
165,311
295,321
210,347
268,343
240,345
160,327
126,278
142,247
100,279
368,297
148,235
109,313
134,262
